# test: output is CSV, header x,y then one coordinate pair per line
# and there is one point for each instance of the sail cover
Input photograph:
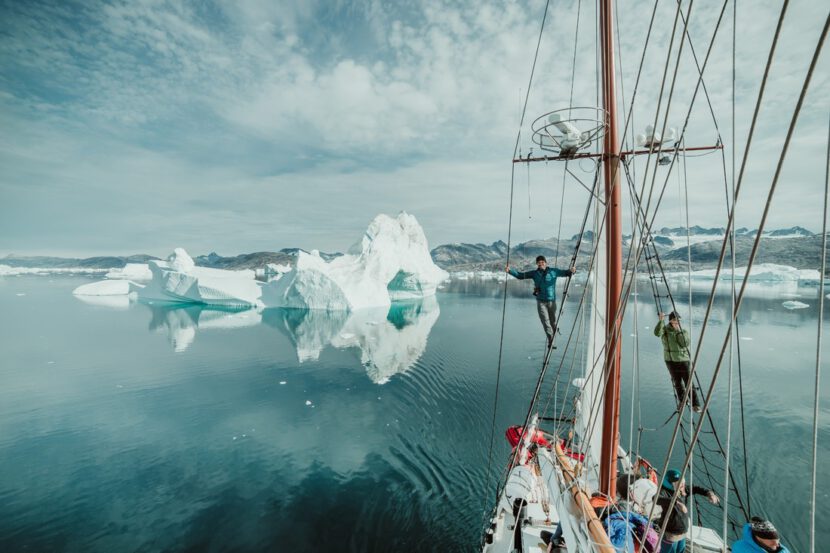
x,y
588,424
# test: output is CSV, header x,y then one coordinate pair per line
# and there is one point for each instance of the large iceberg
x,y
390,262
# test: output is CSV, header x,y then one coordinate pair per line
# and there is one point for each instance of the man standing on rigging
x,y
544,279
676,354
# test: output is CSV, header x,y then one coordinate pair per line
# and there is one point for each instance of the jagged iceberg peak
x,y
180,261
391,261
394,245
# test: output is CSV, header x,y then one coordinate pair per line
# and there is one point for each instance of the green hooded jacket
x,y
675,343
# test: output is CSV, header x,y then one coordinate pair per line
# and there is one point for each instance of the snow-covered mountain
x,y
795,246
677,237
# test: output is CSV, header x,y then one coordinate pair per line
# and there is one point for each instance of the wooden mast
x,y
613,226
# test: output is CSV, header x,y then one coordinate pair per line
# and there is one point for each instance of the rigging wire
x,y
656,261
509,237
529,214
818,346
733,319
688,113
709,305
701,446
660,100
732,210
682,178
549,349
755,245
737,326
688,37
570,104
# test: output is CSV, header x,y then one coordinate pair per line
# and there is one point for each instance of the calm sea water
x,y
133,427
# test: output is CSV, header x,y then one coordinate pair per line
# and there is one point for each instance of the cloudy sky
x,y
260,124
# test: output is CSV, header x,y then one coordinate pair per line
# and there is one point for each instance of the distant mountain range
x,y
795,246
255,260
102,262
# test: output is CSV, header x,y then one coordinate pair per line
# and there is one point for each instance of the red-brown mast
x,y
613,226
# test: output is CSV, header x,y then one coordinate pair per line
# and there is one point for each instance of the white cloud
x,y
259,124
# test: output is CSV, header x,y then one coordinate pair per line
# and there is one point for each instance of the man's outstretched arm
x,y
513,272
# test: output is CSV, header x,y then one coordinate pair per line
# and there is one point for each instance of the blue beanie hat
x,y
672,476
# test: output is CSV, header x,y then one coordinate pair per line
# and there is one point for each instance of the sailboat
x,y
562,473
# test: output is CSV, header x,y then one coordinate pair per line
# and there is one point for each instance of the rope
x,y
755,245
570,104
737,327
688,115
731,217
818,348
697,65
733,319
656,260
549,349
660,101
509,237
529,214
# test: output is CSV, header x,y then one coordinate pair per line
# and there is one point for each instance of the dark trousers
x,y
680,377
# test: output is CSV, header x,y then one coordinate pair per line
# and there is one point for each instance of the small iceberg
x,y
178,280
795,305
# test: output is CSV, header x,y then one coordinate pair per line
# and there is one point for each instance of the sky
x,y
141,126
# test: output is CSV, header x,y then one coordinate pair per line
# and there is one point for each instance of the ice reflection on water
x,y
389,341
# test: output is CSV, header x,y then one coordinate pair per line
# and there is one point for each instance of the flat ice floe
x,y
765,280
763,272
390,262
795,305
480,275
6,270
105,288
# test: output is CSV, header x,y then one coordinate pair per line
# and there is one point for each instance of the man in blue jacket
x,y
759,536
544,279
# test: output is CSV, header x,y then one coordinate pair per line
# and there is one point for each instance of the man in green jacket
x,y
676,354
544,279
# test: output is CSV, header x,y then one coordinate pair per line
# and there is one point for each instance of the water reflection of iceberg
x,y
181,321
390,341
